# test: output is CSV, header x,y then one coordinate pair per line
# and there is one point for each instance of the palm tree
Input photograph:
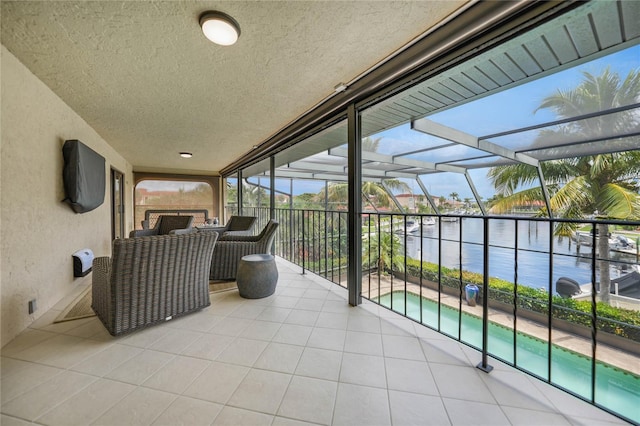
x,y
373,191
384,252
371,145
337,192
604,184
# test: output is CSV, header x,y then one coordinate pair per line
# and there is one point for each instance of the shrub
x,y
618,321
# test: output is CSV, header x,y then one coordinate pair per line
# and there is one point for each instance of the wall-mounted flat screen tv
x,y
83,175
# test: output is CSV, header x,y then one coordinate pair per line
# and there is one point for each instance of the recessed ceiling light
x,y
220,28
186,155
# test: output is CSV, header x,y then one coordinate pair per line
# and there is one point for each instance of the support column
x,y
354,276
239,191
272,184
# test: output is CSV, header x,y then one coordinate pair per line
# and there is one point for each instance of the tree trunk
x,y
603,261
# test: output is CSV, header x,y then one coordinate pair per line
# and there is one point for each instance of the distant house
x,y
411,201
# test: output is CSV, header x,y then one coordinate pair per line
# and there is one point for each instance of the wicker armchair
x,y
238,225
230,249
150,280
164,226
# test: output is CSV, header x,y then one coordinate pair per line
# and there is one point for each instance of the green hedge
x,y
619,321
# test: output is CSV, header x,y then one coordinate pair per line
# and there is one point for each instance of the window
x,y
155,196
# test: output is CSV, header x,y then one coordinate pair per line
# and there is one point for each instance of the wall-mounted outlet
x,y
32,306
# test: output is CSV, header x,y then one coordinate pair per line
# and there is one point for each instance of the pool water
x,y
615,389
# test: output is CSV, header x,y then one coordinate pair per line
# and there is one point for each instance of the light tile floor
x,y
301,356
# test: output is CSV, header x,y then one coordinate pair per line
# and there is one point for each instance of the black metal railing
x,y
434,269
314,239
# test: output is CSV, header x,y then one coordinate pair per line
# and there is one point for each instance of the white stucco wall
x,y
39,233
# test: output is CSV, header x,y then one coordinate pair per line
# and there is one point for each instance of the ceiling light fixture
x,y
220,28
186,155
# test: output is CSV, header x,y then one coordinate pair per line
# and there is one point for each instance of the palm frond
x,y
629,90
563,103
565,229
573,193
506,179
599,164
377,191
397,184
619,203
627,167
370,144
560,171
521,198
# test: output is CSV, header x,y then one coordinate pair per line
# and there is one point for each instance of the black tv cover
x,y
83,175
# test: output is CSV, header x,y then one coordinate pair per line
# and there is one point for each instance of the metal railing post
x,y
594,307
515,297
550,303
302,238
484,364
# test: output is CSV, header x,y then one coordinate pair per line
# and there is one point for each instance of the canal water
x,y
532,254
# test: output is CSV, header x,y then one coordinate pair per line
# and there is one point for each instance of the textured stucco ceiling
x,y
146,79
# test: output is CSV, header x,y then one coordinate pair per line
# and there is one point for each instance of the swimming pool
x,y
615,389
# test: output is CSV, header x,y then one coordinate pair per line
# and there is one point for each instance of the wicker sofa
x,y
149,280
230,249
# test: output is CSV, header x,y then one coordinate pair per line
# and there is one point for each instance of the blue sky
x,y
510,109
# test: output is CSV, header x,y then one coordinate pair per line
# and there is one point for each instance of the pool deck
x,y
605,353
